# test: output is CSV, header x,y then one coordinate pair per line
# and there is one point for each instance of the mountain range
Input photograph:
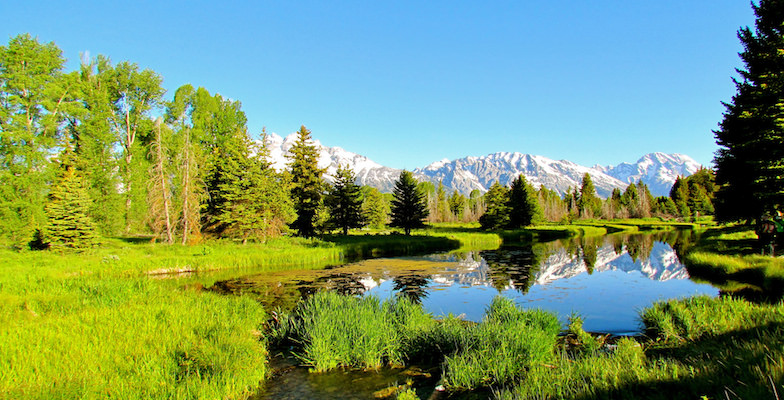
x,y
657,170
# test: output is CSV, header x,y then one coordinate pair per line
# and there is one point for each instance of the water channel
x,y
606,280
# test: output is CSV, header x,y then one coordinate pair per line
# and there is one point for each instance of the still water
x,y
606,280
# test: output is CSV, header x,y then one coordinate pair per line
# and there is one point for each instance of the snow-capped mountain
x,y
657,170
467,174
366,170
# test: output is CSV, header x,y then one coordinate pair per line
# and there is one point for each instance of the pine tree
x,y
306,182
257,203
750,160
523,204
497,212
375,209
589,205
409,207
679,193
344,201
69,226
457,205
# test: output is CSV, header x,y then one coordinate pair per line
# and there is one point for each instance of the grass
x,y
728,257
97,325
132,340
701,348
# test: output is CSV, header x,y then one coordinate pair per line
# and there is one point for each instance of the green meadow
x,y
127,320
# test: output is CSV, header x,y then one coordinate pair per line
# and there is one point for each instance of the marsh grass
x,y
699,348
335,331
146,342
97,325
728,257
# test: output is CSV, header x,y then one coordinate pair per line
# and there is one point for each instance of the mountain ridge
x,y
657,170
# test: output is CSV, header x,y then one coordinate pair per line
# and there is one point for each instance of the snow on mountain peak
x,y
657,170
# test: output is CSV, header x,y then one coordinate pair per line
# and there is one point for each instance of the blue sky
x,y
407,83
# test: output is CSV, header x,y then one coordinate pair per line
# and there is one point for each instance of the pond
x,y
606,280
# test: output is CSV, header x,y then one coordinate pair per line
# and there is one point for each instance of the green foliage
x,y
588,204
306,182
750,159
69,227
344,201
257,203
523,204
375,208
408,205
497,212
507,343
35,99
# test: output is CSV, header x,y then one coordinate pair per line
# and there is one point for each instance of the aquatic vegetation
x,y
505,344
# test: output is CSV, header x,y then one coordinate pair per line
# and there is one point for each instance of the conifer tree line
x,y
102,151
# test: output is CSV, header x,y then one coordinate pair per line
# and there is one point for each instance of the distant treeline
x,y
102,151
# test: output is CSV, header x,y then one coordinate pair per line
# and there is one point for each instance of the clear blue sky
x,y
410,82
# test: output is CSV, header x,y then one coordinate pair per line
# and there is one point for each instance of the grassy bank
x,y
99,324
728,257
696,348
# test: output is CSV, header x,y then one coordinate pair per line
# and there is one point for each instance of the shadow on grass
x,y
743,364
358,247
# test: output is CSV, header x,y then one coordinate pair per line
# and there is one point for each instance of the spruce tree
x,y
523,204
409,204
375,209
306,182
750,160
69,227
257,204
589,205
497,212
344,201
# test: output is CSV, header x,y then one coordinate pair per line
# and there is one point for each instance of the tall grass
x,y
341,331
505,345
141,342
699,348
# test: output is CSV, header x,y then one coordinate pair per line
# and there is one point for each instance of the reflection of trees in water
x,y
589,249
516,265
413,286
639,246
345,284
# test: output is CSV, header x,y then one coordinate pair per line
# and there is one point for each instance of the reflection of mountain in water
x,y
661,265
508,268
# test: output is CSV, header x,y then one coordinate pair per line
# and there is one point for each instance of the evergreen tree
x,y
588,204
344,201
457,205
257,203
523,204
69,226
497,212
750,160
306,182
409,207
679,193
375,209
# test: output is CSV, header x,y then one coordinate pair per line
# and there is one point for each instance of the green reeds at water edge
x,y
696,347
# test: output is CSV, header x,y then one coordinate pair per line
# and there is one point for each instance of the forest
x,y
104,152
